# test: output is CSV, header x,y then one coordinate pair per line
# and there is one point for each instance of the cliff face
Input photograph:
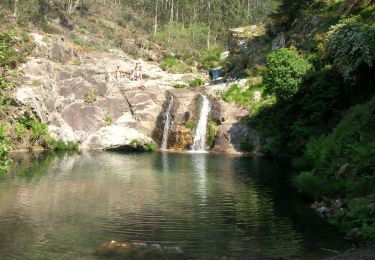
x,y
82,98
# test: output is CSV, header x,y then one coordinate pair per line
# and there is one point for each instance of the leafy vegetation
x,y
212,129
196,82
4,149
174,65
286,70
90,96
349,44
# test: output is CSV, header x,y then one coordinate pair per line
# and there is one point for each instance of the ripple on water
x,y
210,206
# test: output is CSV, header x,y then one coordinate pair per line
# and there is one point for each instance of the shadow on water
x,y
208,206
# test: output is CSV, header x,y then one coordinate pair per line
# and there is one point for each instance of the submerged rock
x,y
138,250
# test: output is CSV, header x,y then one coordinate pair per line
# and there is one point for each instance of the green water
x,y
210,206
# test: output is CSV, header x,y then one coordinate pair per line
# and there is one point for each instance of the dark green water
x,y
210,206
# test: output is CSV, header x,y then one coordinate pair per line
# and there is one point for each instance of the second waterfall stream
x,y
164,143
199,143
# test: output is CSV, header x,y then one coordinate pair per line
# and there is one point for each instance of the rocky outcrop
x,y
82,98
184,115
86,102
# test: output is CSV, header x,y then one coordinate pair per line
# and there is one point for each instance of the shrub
x,y
350,44
107,119
135,143
181,86
73,146
20,130
190,125
90,96
196,82
309,184
151,147
62,146
286,70
174,65
238,95
8,57
210,58
211,133
39,132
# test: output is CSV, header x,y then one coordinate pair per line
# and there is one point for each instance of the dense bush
x,y
174,65
8,56
343,167
211,58
286,70
350,45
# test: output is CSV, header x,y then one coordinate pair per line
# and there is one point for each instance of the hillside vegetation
x,y
317,79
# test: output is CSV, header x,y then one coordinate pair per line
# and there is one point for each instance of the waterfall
x,y
164,143
199,142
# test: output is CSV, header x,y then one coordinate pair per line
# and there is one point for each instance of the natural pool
x,y
210,206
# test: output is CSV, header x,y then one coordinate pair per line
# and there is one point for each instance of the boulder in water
x,y
137,250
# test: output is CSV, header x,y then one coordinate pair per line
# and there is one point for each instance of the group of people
x,y
136,73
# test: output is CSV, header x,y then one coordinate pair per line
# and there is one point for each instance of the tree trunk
x,y
156,18
15,9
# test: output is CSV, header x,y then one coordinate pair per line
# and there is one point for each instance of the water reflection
x,y
198,161
210,206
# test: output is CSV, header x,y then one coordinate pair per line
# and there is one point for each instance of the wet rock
x,y
137,249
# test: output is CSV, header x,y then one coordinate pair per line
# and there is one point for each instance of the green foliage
x,y
350,45
286,70
190,125
181,39
358,222
107,119
62,146
238,95
174,65
247,146
211,58
4,149
343,166
309,184
39,132
212,130
8,56
151,147
181,86
90,96
135,143
20,130
196,82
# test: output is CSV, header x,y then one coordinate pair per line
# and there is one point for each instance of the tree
x,y
286,70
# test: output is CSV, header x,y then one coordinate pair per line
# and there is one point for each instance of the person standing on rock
x,y
135,71
118,73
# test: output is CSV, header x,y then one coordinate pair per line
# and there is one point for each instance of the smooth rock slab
x,y
114,137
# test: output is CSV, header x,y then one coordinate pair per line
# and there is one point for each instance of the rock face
x,y
81,98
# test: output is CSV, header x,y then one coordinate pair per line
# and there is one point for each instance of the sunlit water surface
x,y
210,206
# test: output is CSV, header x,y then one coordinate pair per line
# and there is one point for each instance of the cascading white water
x,y
164,142
199,142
